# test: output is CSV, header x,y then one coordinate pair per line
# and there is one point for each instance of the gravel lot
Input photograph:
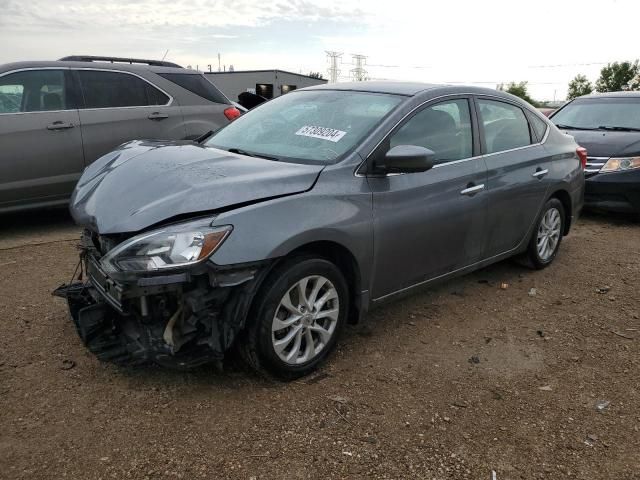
x,y
453,382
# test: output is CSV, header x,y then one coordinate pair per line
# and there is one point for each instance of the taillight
x,y
582,155
232,113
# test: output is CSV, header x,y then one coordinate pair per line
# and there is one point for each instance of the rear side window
x,y
197,84
33,91
444,128
539,126
505,126
103,89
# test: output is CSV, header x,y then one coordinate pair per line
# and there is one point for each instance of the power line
x,y
460,82
568,65
559,65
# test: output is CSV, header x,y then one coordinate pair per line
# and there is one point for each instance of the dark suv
x,y
608,126
58,117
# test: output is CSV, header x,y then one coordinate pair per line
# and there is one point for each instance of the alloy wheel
x,y
549,234
305,320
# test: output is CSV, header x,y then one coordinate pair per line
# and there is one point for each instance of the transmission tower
x,y
333,70
358,73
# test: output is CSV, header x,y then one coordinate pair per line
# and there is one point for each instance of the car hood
x,y
144,183
607,144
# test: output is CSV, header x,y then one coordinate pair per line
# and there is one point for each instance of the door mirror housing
x,y
408,159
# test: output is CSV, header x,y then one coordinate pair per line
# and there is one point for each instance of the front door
x,y
119,107
431,223
41,156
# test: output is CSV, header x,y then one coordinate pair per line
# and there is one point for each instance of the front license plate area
x,y
107,287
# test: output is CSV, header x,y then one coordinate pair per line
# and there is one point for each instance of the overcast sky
x,y
545,42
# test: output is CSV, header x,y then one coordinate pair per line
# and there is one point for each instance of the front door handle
x,y
59,125
158,116
539,173
472,189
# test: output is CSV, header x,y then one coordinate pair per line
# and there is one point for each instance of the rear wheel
x,y
298,317
547,236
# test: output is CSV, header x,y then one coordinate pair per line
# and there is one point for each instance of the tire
x,y
274,351
550,224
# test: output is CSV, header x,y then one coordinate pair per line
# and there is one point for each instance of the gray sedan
x,y
300,216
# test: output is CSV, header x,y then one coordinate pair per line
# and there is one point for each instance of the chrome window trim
x,y
168,104
452,162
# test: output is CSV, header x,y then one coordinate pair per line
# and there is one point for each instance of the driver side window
x,y
444,128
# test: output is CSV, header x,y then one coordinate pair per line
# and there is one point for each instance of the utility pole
x,y
219,62
358,73
333,70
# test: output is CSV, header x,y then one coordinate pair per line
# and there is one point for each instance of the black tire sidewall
x,y
275,286
533,245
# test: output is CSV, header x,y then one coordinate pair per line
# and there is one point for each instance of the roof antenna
x,y
165,54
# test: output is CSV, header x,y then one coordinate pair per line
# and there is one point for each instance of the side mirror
x,y
409,159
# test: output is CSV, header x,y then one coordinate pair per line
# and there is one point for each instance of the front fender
x,y
338,209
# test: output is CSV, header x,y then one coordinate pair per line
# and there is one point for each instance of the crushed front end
x,y
178,317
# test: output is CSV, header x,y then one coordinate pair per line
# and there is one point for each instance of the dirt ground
x,y
451,383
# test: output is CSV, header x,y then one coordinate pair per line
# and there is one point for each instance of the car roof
x,y
398,88
95,65
412,89
629,94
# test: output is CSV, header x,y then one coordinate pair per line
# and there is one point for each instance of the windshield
x,y
594,113
315,126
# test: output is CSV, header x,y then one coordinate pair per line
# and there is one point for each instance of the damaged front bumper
x,y
181,319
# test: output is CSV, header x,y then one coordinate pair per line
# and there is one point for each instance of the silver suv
x,y
58,117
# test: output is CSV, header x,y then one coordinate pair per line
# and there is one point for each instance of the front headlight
x,y
170,247
621,164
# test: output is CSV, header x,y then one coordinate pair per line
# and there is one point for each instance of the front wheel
x,y
547,236
298,317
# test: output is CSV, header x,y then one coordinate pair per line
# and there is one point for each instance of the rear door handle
x,y
472,189
158,116
59,125
539,173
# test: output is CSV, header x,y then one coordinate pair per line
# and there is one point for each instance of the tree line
x,y
615,77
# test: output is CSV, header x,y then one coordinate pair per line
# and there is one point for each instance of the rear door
x,y
431,223
122,106
202,103
41,145
518,168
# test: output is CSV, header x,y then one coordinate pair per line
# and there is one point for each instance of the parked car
x,y
306,212
608,126
58,117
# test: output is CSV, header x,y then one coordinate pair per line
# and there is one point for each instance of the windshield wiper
x,y
204,136
250,154
619,129
572,127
